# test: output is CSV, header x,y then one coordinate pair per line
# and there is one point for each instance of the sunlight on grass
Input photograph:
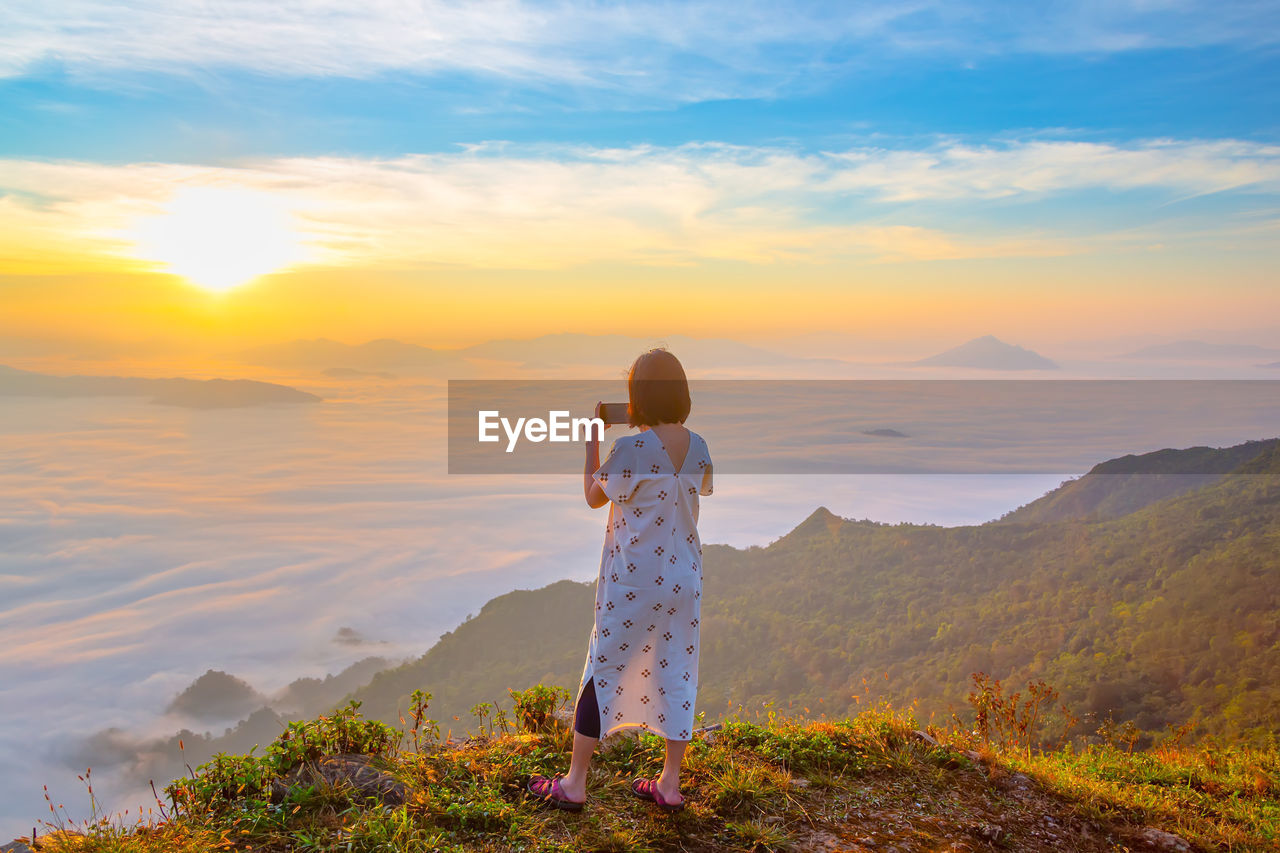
x,y
750,786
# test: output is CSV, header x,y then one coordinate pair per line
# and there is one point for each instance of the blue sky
x,y
123,82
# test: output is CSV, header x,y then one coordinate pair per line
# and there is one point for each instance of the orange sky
x,y
1033,242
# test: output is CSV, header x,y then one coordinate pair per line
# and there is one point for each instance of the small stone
x,y
1161,840
988,832
1020,780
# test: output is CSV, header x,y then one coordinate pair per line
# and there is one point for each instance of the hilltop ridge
x,y
870,782
1127,483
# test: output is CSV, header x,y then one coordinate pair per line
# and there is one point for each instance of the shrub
x,y
343,732
536,707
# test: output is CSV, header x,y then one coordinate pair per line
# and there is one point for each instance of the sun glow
x,y
219,237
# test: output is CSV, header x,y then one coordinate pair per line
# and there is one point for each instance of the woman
x,y
642,660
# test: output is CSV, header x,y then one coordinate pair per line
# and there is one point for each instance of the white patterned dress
x,y
643,654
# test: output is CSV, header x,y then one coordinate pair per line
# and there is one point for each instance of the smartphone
x,y
614,413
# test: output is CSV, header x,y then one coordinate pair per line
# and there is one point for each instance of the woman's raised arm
x,y
596,498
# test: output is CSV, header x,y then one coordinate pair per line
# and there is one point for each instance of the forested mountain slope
x,y
1160,615
1120,486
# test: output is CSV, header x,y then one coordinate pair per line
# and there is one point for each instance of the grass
x,y
867,782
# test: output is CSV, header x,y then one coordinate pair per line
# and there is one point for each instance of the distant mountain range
x,y
1202,351
559,351
1146,590
191,393
570,349
989,353
212,697
375,358
353,373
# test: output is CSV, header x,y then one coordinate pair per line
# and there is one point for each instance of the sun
x,y
219,237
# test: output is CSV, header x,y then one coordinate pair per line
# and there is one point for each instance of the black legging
x,y
586,716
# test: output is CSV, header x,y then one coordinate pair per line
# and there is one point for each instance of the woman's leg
x,y
669,781
574,783
586,734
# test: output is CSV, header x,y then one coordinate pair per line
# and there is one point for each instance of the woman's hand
x,y
590,488
599,414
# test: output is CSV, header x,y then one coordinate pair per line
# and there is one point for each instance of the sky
x,y
191,176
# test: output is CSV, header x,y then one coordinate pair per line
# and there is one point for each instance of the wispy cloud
x,y
672,51
501,207
1040,167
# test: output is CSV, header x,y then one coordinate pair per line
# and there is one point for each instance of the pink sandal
x,y
549,791
647,789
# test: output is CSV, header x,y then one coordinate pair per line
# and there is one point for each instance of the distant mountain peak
x,y
821,521
216,695
989,353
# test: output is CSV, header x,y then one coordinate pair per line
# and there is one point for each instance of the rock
x,y
988,831
15,846
924,736
63,839
1161,840
708,733
354,772
1019,784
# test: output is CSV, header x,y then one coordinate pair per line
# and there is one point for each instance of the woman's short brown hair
x,y
657,389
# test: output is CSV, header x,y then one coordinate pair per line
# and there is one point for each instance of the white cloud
x,y
666,50
1040,167
545,208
